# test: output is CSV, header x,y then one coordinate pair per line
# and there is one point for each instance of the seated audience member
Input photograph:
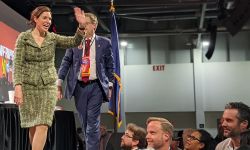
x,y
159,133
245,138
186,132
236,119
200,140
104,138
176,140
219,137
114,142
134,138
175,144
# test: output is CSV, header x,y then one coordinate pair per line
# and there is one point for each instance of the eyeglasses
x,y
192,138
127,135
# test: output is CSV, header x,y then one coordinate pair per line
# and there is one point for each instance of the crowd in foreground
x,y
234,133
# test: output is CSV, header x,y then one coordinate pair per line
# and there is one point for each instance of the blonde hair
x,y
165,124
92,18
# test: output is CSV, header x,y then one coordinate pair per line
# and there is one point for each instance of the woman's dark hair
x,y
207,140
36,13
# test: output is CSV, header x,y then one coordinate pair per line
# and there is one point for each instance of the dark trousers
x,y
88,100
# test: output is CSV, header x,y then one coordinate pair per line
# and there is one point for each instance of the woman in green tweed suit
x,y
35,73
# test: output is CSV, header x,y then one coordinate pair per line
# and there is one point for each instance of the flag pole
x,y
112,10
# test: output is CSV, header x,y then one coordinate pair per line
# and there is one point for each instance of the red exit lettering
x,y
158,67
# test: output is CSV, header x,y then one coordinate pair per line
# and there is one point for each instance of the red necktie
x,y
87,47
85,67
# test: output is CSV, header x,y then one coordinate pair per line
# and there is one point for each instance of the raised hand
x,y
80,16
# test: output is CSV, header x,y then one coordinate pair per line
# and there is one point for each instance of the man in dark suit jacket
x,y
89,70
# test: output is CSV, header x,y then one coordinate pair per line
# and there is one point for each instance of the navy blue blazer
x,y
71,64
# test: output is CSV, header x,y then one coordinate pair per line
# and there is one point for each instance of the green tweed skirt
x,y
38,106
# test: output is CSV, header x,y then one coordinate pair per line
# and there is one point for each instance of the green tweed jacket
x,y
33,63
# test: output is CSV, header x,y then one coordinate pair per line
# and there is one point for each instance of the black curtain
x,y
12,136
65,130
61,135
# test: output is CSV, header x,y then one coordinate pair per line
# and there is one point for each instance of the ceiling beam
x,y
202,18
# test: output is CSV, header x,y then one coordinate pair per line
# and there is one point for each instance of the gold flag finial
x,y
112,7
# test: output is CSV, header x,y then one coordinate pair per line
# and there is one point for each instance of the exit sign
x,y
158,67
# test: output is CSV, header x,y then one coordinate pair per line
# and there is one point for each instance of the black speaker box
x,y
237,17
